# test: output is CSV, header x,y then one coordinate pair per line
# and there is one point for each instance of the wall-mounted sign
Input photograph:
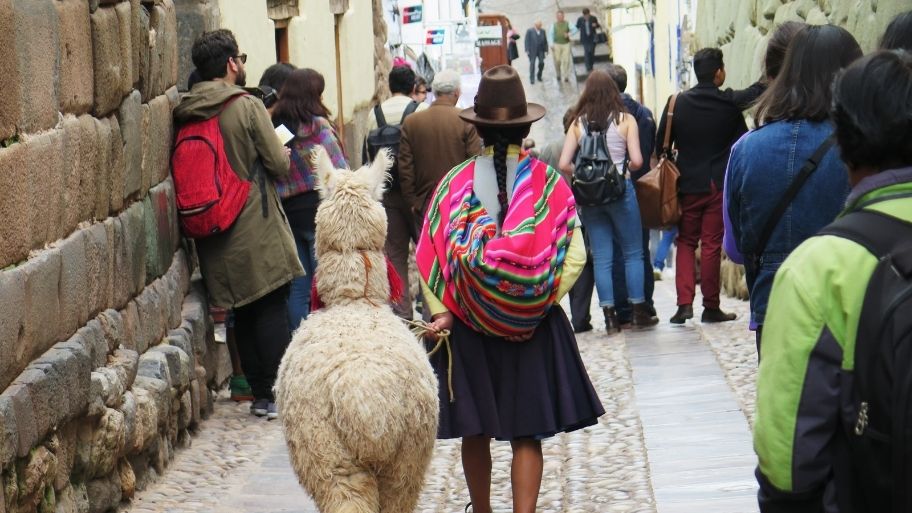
x,y
412,14
435,36
489,32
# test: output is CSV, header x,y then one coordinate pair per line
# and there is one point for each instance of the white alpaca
x,y
357,396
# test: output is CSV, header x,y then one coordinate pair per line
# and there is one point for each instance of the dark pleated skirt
x,y
511,390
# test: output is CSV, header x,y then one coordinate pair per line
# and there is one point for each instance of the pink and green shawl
x,y
498,285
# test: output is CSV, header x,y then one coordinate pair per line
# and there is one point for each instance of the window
x,y
281,41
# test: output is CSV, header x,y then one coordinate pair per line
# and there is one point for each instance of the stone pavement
x,y
674,438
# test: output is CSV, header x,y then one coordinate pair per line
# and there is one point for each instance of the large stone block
x,y
130,118
146,40
63,443
12,324
25,415
104,494
102,174
125,22
9,79
117,167
45,174
80,150
37,48
164,21
160,221
112,74
9,435
92,338
112,326
15,237
99,263
61,384
42,305
150,319
157,136
193,18
132,328
128,408
100,445
178,364
134,226
77,84
74,282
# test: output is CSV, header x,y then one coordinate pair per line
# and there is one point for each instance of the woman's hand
x,y
440,322
521,338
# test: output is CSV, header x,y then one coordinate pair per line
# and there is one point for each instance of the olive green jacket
x,y
257,254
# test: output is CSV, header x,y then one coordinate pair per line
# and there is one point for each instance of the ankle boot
x,y
612,325
643,317
684,312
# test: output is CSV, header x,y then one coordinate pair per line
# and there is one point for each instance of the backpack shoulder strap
x,y
412,107
876,231
809,167
378,114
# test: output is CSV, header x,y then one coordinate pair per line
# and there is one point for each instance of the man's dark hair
x,y
585,11
211,52
276,75
402,80
803,88
619,75
899,33
872,100
706,62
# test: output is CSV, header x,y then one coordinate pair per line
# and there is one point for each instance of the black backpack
x,y
596,179
873,471
387,136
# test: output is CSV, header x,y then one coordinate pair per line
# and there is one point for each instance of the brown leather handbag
x,y
657,190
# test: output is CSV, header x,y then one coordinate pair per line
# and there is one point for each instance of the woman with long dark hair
x,y
498,249
793,114
600,108
300,108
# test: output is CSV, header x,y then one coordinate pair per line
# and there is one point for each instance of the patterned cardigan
x,y
301,178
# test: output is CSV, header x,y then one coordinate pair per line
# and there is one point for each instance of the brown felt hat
x,y
501,101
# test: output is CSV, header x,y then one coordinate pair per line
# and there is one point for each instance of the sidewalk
x,y
674,439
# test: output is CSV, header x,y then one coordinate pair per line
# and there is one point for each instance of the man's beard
x,y
241,79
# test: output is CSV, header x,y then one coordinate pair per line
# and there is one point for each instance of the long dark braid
x,y
501,143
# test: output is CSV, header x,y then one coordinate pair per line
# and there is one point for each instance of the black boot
x,y
643,317
612,325
716,315
684,312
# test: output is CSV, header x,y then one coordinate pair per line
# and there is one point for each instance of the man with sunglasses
x,y
248,266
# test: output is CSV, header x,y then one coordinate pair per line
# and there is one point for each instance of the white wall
x,y
255,33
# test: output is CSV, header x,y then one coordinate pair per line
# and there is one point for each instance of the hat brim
x,y
534,112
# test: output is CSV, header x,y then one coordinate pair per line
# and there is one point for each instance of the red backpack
x,y
209,194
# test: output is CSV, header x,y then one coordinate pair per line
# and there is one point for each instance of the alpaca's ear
x,y
326,172
377,174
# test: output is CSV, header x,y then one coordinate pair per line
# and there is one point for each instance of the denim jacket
x,y
762,165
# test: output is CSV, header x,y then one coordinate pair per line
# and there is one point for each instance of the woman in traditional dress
x,y
499,247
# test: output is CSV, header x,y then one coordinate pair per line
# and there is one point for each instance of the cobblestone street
x,y
674,438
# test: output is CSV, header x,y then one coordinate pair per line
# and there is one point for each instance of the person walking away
x,y
301,110
433,142
536,48
898,35
559,36
706,124
831,431
249,266
791,151
420,93
600,108
516,370
401,224
588,26
646,129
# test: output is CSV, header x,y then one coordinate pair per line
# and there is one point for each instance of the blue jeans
x,y
668,236
617,220
299,297
621,304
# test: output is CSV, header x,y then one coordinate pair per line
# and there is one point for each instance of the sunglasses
x,y
241,57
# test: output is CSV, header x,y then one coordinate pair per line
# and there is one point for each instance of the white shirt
x,y
485,182
393,108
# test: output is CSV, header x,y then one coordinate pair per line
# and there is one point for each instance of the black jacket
x,y
647,129
706,125
587,37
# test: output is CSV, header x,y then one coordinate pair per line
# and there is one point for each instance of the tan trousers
x,y
562,60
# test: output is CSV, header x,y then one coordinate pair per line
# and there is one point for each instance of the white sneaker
x,y
668,274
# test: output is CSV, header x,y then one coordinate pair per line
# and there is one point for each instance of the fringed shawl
x,y
499,285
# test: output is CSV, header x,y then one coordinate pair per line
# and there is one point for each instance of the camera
x,y
266,94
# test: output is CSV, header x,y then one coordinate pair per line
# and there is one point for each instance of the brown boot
x,y
716,315
612,325
643,317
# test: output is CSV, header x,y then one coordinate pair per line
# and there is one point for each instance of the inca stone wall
x,y
106,353
743,27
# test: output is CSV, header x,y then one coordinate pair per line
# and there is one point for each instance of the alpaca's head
x,y
351,217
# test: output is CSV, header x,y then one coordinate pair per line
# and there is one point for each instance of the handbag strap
x,y
809,167
669,118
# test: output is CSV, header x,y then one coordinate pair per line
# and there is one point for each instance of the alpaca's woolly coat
x,y
357,396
